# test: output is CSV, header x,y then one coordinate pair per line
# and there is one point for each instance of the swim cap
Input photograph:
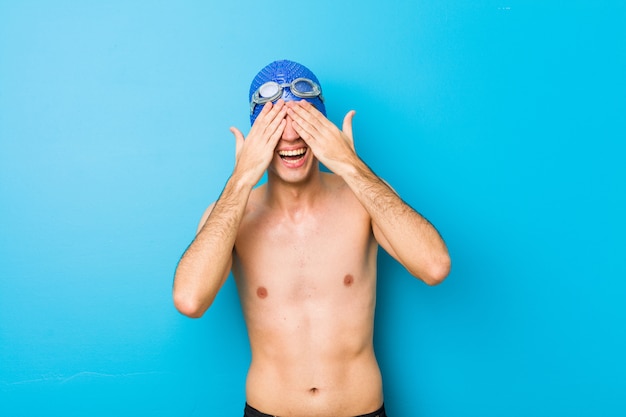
x,y
284,72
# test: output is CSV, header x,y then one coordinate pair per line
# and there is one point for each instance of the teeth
x,y
295,152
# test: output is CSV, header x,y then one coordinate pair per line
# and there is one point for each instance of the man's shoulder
x,y
338,188
256,201
334,182
256,195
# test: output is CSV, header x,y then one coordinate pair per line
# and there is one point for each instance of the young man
x,y
302,248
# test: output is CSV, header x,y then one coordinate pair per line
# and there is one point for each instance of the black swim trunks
x,y
253,412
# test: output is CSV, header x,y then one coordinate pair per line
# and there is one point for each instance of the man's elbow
x,y
437,271
188,306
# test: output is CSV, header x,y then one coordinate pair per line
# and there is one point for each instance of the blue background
x,y
501,121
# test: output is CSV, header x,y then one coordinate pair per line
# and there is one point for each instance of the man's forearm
x,y
413,240
206,263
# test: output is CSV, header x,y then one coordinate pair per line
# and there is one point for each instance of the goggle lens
x,y
302,87
269,90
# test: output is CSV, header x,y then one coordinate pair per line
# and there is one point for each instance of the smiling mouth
x,y
293,155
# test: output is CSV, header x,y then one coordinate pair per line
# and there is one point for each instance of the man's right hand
x,y
254,153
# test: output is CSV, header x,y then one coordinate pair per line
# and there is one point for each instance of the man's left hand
x,y
333,147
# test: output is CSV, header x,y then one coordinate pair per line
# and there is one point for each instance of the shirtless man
x,y
302,248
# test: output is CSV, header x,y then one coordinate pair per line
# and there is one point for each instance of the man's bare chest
x,y
317,246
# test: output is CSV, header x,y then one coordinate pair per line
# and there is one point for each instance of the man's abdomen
x,y
313,385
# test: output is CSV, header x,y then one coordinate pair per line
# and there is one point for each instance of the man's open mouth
x,y
292,155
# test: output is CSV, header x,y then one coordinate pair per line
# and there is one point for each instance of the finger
x,y
277,111
259,123
276,108
265,116
238,140
347,127
309,107
308,112
316,123
277,134
280,110
268,120
305,134
267,107
307,131
274,126
304,121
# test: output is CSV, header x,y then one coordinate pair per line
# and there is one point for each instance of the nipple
x,y
261,292
348,280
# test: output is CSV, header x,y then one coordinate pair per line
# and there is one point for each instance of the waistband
x,y
250,411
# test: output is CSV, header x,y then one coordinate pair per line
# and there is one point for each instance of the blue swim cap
x,y
282,72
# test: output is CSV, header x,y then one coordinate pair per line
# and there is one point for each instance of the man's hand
x,y
333,147
254,154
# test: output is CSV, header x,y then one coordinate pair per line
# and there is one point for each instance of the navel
x,y
348,280
261,292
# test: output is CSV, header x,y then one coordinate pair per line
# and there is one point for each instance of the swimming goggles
x,y
271,90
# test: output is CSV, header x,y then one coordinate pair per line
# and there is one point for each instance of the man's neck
x,y
293,198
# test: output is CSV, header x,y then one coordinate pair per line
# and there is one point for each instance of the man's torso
x,y
307,283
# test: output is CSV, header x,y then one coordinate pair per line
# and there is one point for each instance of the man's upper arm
x,y
383,242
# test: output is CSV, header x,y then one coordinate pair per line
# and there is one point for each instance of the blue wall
x,y
503,122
